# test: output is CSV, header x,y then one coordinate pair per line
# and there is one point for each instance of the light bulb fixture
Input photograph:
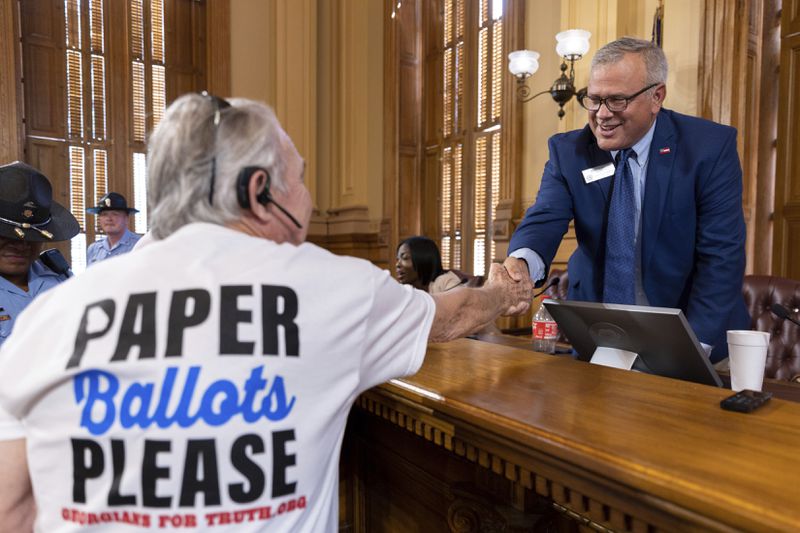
x,y
396,7
571,45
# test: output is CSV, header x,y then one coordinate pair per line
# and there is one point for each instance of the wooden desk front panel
x,y
622,450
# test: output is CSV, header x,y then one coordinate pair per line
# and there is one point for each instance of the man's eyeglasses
x,y
220,104
614,104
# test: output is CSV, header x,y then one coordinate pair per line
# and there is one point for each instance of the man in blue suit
x,y
656,198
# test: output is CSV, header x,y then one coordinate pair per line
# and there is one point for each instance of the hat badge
x,y
27,212
107,201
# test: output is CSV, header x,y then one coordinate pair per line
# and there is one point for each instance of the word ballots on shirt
x,y
194,421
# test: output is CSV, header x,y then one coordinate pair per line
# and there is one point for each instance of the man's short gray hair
x,y
654,59
180,154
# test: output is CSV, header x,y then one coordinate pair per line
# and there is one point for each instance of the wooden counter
x,y
493,434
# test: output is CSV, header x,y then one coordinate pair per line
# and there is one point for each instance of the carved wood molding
x,y
351,231
596,502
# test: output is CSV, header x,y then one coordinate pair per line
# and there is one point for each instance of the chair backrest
x,y
760,292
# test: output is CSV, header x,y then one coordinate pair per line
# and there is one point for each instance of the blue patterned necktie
x,y
619,284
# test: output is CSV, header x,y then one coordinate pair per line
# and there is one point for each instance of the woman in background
x,y
420,264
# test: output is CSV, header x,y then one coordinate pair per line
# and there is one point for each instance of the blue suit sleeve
x,y
547,220
720,247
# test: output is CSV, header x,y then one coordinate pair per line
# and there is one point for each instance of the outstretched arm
x,y
17,509
462,311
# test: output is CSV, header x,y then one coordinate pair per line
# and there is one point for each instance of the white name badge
x,y
598,173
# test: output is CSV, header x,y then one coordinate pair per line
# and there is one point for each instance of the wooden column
x,y
509,206
218,49
786,248
737,86
767,136
350,129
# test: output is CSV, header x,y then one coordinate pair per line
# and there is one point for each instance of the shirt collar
x,y
642,147
36,274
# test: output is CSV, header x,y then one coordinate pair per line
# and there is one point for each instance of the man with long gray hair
x,y
656,198
204,380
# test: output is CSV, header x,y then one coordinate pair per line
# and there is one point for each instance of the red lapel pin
x,y
663,151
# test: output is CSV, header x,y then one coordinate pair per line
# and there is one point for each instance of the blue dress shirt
x,y
100,250
13,299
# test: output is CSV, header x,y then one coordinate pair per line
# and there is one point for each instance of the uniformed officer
x,y
112,214
28,218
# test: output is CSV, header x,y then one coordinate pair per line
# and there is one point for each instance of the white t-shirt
x,y
231,418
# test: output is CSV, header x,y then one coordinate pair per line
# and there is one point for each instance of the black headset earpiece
x,y
264,197
243,184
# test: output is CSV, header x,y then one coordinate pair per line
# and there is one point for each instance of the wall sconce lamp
x,y
571,46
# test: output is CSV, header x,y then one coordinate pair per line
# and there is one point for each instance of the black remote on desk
x,y
745,401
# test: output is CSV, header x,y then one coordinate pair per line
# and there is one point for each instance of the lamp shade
x,y
572,43
523,63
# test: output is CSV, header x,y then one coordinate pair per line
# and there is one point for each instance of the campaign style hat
x,y
112,201
27,209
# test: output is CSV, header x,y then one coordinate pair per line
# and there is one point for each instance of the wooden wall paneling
x,y
767,126
786,252
509,210
748,123
432,118
49,156
391,183
431,193
436,490
44,90
11,132
466,138
44,68
792,224
185,42
729,88
790,18
738,86
409,58
716,61
410,192
218,50
119,95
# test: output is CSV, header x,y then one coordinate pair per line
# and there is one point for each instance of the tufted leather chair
x,y
783,355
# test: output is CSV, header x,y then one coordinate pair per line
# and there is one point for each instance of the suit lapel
x,y
659,172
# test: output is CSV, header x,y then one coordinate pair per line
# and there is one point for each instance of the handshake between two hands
x,y
514,283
